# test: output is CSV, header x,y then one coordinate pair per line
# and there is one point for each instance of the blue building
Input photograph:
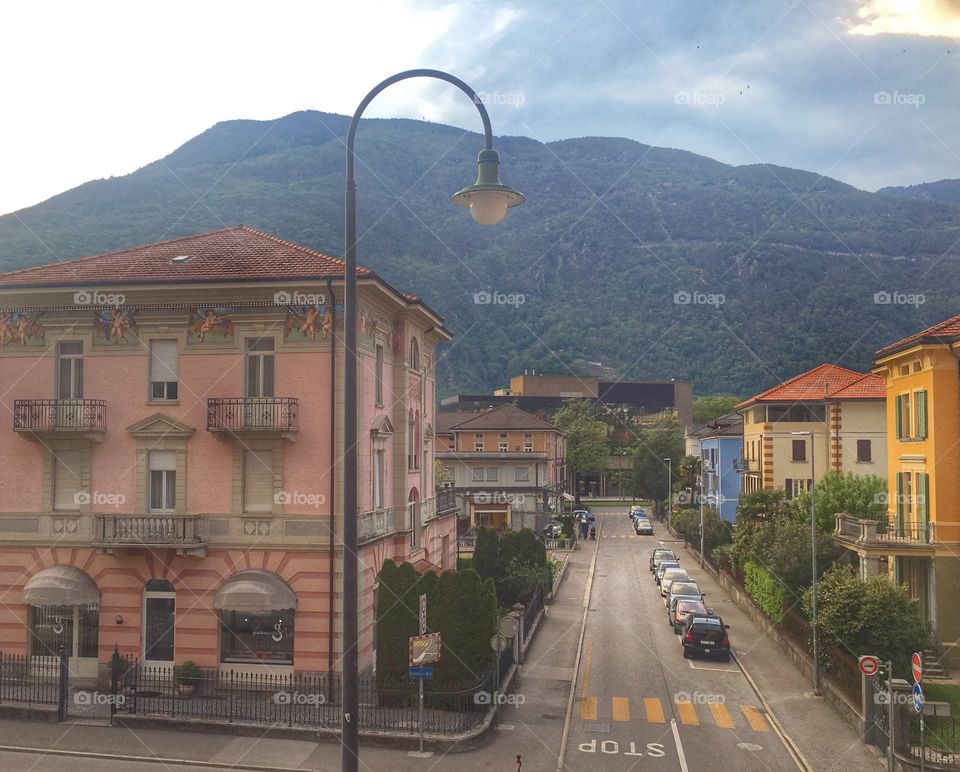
x,y
721,447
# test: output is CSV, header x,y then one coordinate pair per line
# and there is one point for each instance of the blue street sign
x,y
421,673
917,698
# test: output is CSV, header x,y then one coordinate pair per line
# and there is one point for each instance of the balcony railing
x,y
446,501
59,415
742,465
865,532
149,530
252,414
376,525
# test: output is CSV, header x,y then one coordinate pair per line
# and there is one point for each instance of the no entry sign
x,y
916,664
869,665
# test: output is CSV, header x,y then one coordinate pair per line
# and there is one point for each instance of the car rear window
x,y
684,588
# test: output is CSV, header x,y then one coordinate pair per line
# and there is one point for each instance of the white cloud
x,y
926,18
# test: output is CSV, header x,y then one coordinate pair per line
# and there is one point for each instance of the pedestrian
x,y
519,764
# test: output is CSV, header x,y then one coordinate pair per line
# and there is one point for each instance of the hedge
x,y
765,590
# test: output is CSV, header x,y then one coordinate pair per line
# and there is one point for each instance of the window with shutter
x,y
898,409
163,481
921,431
66,483
164,369
258,481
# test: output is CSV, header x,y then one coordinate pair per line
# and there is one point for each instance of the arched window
x,y
414,354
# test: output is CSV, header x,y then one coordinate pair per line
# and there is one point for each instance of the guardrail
x,y
53,415
252,414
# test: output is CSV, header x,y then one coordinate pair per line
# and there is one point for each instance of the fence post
x,y
114,678
518,608
64,684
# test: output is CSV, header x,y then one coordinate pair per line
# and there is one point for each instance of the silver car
x,y
683,590
669,577
662,566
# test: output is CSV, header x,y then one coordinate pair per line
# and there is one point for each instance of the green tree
x,y
707,408
761,506
486,553
872,616
397,618
463,610
587,445
836,492
656,440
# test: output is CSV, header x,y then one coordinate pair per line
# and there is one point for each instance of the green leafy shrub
x,y
765,590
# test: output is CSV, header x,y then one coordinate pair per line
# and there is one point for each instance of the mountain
x,y
942,191
780,266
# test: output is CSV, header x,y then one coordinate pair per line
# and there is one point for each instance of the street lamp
x,y
669,488
488,201
813,550
701,511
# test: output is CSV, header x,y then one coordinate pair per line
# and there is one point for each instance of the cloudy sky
x,y
861,90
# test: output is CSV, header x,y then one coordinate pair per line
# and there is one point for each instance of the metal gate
x,y
879,714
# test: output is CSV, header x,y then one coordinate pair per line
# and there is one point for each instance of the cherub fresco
x,y
306,322
113,325
367,323
22,328
210,324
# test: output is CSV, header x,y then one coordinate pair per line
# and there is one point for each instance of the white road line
x,y
676,739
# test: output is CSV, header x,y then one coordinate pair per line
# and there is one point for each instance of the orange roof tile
x,y
234,253
825,381
942,332
869,387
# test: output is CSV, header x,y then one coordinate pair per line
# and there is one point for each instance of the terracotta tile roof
x,y
503,418
822,382
941,332
869,387
445,419
234,253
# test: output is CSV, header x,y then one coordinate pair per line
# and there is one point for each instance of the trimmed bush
x,y
765,590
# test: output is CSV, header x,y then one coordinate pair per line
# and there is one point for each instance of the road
x,y
639,703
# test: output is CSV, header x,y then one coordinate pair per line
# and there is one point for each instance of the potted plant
x,y
187,676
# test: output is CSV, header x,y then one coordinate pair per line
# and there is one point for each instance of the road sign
x,y
917,698
421,673
424,649
869,665
916,664
423,614
498,642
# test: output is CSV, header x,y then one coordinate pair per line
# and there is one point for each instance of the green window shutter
x,y
899,496
922,414
924,485
899,400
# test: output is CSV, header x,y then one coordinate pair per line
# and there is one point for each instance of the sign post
x,y
916,666
423,630
424,652
890,715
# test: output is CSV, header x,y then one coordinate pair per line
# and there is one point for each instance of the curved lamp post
x,y
488,200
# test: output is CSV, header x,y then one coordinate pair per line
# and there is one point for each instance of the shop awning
x,y
61,586
255,591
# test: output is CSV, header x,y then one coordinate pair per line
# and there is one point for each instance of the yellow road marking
x,y
621,709
586,669
756,720
588,709
721,716
654,710
687,713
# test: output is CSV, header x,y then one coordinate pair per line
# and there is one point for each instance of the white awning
x,y
255,591
61,586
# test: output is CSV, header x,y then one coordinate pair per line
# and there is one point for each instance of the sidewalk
x,y
818,732
531,726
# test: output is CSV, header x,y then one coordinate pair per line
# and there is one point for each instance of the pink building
x,y
172,471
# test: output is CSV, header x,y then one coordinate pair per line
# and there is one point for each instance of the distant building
x,y
720,446
843,409
508,468
545,393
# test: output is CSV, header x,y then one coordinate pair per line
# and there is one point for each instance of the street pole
x,y
488,201
889,716
669,491
813,539
701,512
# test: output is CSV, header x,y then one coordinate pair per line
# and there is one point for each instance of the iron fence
x,y
534,607
30,680
310,700
939,741
59,414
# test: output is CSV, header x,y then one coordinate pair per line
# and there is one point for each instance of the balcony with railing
x,y
745,465
275,416
893,534
60,416
446,502
376,525
186,532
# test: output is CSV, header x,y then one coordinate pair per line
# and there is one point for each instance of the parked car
x,y
643,527
662,566
660,552
705,634
680,608
584,514
553,529
683,590
636,512
669,576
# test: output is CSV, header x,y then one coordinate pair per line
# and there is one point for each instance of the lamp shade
x,y
488,199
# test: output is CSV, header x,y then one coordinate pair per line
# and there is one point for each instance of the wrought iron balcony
x,y
854,532
446,501
49,416
252,415
187,531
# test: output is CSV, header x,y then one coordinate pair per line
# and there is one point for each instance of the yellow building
x,y
918,544
843,411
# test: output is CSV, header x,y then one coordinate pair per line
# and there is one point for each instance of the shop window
x,y
265,637
74,627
